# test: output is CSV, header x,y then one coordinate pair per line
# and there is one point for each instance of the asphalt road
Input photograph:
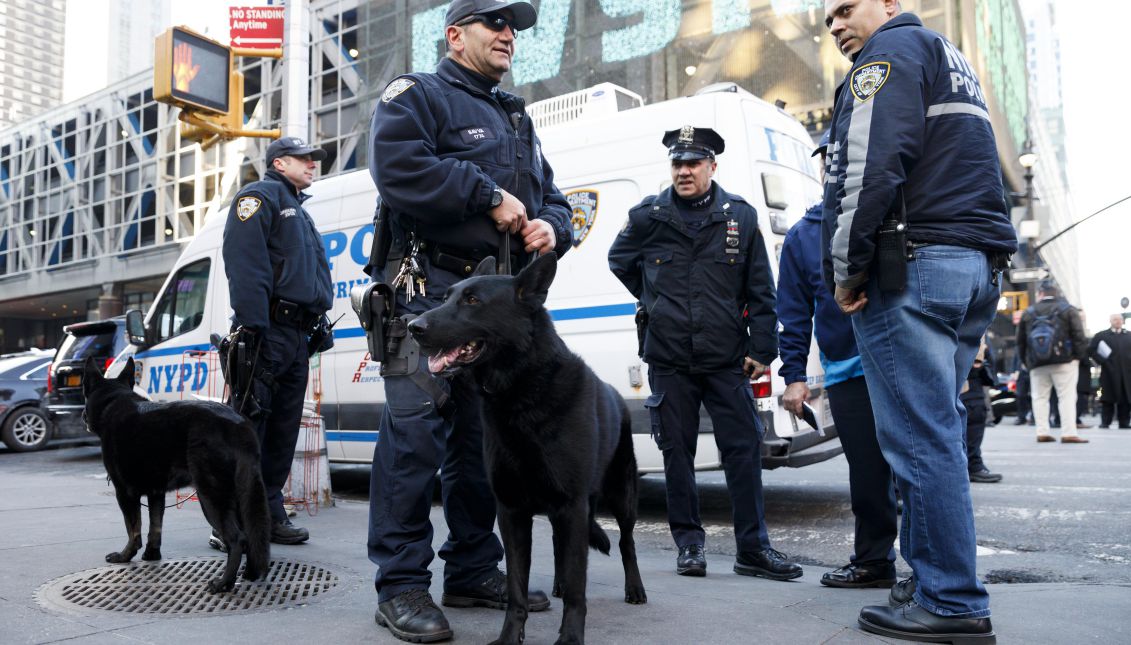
x,y
1061,513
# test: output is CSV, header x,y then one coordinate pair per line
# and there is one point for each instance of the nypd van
x,y
604,145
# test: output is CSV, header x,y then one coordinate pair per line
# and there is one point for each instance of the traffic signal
x,y
192,72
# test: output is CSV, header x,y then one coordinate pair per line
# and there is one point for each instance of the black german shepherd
x,y
150,448
556,438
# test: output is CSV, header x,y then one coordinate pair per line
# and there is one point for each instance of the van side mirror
x,y
773,187
135,328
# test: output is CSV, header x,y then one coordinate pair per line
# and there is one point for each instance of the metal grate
x,y
178,587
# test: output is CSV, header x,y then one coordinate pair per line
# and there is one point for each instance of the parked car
x,y
100,340
1003,396
23,381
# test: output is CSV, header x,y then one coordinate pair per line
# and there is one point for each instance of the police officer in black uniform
x,y
461,171
279,287
693,255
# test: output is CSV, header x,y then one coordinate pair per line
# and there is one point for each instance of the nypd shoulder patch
x,y
868,79
247,206
396,88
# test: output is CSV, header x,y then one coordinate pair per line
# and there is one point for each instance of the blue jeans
x,y
917,348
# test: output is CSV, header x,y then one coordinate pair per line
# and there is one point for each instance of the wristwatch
x,y
496,197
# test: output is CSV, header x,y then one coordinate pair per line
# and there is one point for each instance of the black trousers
x,y
1109,410
870,481
975,403
674,408
285,356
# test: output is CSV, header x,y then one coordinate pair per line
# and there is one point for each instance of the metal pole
x,y
296,71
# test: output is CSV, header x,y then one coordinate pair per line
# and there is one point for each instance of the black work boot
x,y
691,561
903,591
767,563
285,532
413,616
492,592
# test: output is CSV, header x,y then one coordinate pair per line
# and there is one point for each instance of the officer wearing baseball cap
x,y
697,248
461,175
279,288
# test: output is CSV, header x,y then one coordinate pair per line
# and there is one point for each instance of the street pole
x,y
296,71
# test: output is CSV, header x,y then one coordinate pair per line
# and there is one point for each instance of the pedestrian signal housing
x,y
191,71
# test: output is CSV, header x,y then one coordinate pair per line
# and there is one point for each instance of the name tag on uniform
x,y
287,212
475,135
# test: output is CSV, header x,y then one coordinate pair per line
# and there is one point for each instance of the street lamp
x,y
1028,159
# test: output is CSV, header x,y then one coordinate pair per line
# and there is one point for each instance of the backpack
x,y
1048,339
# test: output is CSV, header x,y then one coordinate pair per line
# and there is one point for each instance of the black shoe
x,y
766,563
913,623
217,542
286,533
691,561
984,476
492,593
856,576
412,616
902,592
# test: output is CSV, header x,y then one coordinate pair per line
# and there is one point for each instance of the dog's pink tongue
x,y
440,360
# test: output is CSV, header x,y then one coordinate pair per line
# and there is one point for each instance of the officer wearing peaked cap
x,y
279,287
694,257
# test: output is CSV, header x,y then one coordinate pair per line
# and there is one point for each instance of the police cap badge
x,y
689,143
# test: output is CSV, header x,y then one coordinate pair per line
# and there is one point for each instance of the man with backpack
x,y
1050,341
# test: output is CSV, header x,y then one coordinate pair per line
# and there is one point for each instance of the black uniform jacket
x,y
710,300
272,251
442,142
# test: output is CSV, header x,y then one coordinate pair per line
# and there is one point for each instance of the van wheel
x,y
27,429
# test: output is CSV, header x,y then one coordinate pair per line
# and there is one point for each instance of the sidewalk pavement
x,y
62,522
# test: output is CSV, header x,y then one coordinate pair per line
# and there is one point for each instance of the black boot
x,y
286,533
913,623
412,616
903,591
857,576
691,561
492,592
766,563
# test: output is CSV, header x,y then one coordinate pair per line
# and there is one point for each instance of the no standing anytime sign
x,y
256,27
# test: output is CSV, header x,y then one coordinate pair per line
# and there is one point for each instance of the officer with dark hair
x,y
279,287
693,255
916,236
461,172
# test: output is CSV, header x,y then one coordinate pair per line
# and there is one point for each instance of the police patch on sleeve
x,y
396,88
247,206
868,80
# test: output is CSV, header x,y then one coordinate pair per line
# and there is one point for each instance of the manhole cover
x,y
178,587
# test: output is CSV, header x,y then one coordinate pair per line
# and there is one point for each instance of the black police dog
x,y
556,438
149,448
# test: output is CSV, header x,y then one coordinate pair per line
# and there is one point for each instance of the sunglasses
x,y
493,21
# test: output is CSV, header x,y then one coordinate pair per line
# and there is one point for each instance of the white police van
x,y
604,146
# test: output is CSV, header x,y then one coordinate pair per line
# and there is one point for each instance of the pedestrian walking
x,y
1111,348
1050,339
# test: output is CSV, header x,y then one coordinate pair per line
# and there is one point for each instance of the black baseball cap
x,y
294,147
688,143
524,14
823,145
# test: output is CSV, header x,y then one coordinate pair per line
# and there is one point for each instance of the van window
x,y
79,348
181,307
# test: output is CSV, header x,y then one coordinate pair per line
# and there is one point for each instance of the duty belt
x,y
459,261
286,312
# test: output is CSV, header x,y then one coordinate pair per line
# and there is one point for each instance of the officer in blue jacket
x,y
279,287
458,163
912,155
693,255
805,306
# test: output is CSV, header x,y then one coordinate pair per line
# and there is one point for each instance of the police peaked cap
x,y
294,147
688,143
524,14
